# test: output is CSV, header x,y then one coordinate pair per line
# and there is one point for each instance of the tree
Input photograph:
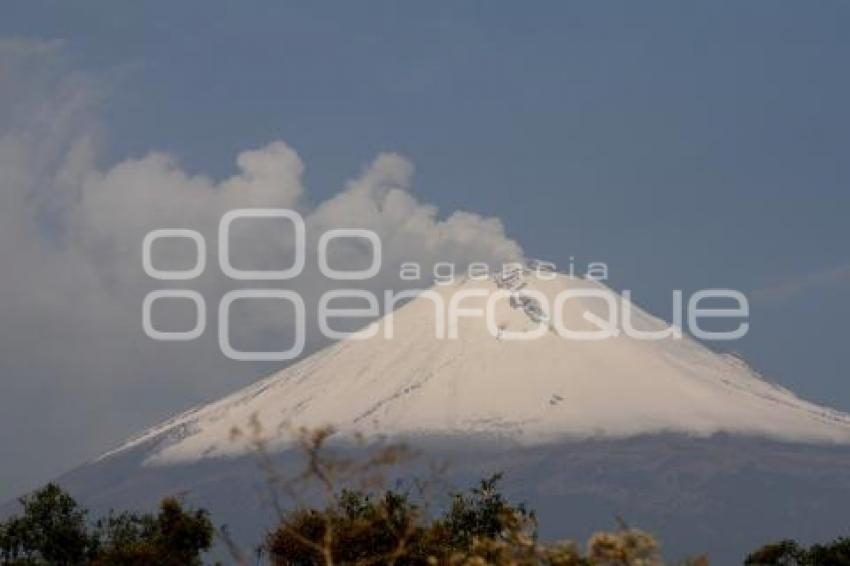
x,y
364,524
172,537
484,513
53,530
479,527
790,553
355,528
836,553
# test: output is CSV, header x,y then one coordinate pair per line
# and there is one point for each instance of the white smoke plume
x,y
76,369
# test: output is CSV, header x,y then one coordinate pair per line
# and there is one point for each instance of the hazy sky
x,y
687,146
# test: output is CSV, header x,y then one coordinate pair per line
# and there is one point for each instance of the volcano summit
x,y
678,439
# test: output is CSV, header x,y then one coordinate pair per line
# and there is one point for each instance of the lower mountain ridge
x,y
670,436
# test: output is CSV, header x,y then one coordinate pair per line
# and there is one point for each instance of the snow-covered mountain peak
x,y
471,381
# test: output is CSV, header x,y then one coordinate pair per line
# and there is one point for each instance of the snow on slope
x,y
530,392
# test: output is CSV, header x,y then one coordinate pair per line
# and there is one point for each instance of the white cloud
x,y
795,286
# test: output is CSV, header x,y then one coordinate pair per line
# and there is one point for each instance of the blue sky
x,y
686,145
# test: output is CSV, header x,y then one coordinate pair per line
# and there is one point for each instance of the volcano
x,y
691,444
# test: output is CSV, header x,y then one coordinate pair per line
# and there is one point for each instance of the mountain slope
x,y
528,392
689,444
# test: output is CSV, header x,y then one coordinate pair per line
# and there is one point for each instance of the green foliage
x,y
790,553
172,537
362,525
53,531
366,524
482,514
358,527
479,527
355,528
835,553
